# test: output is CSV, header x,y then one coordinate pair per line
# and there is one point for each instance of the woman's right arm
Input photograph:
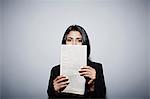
x,y
56,83
54,73
60,83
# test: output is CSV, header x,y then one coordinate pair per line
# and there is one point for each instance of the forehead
x,y
74,34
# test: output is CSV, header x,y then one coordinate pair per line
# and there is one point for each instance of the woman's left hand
x,y
89,72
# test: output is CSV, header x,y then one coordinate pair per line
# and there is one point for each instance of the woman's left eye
x,y
80,40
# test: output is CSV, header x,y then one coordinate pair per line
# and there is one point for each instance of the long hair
x,y
83,33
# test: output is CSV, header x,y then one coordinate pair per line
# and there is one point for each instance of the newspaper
x,y
73,57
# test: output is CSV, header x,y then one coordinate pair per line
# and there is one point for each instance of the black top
x,y
99,85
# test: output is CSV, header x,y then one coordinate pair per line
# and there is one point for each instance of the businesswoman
x,y
93,72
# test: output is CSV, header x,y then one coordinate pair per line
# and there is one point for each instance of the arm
x,y
50,91
99,86
95,80
57,83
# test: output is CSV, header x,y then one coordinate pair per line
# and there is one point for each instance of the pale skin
x,y
60,82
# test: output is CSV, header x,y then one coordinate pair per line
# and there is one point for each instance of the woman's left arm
x,y
100,88
96,82
88,71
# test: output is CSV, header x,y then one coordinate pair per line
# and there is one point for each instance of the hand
x,y
60,83
89,72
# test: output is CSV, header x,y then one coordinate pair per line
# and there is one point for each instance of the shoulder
x,y
55,71
97,66
94,64
55,68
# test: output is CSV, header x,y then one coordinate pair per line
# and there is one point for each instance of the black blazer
x,y
99,87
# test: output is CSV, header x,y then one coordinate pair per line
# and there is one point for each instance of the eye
x,y
79,40
68,40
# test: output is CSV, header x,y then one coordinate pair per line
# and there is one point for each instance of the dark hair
x,y
83,34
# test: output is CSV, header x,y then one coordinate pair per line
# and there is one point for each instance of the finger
x,y
85,73
88,76
59,77
62,86
87,67
61,80
64,83
89,82
57,85
84,70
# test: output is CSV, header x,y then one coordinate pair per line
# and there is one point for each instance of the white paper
x,y
73,57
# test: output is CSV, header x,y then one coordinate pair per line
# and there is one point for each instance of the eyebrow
x,y
78,38
72,38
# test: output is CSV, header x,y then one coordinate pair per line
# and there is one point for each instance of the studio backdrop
x,y
32,31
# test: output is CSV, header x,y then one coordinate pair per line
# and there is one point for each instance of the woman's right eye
x,y
69,40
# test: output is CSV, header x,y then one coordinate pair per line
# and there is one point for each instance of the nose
x,y
74,42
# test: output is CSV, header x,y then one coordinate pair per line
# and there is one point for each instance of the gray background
x,y
149,43
31,37
1,48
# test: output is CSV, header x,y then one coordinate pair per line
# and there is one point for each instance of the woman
x,y
93,72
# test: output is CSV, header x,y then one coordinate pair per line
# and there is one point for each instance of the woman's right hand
x,y
60,83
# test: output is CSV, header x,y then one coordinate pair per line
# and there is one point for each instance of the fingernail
x,y
64,75
67,77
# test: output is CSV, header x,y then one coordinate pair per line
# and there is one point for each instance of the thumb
x,y
90,82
